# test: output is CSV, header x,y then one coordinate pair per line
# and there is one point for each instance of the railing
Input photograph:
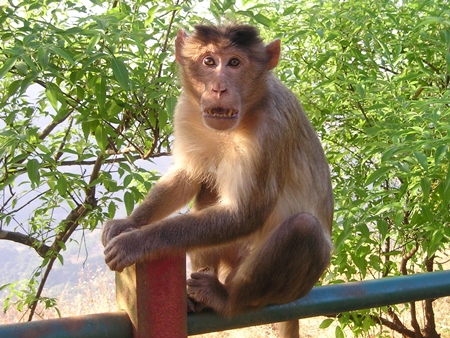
x,y
153,295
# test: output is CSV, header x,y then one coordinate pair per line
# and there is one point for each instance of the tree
x,y
105,78
373,77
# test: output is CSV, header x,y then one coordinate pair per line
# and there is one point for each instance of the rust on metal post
x,y
153,293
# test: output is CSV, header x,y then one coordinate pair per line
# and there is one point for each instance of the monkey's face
x,y
220,87
224,70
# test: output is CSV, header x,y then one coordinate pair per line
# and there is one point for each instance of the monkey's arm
x,y
170,193
213,225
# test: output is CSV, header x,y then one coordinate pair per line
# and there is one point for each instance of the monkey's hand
x,y
124,250
115,227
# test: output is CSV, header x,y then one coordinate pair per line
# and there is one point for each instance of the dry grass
x,y
95,294
309,328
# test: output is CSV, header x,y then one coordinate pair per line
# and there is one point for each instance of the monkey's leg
x,y
204,258
204,283
205,290
206,261
285,267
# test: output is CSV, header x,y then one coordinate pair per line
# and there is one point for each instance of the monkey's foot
x,y
193,306
205,290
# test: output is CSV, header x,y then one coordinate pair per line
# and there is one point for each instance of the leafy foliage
x,y
373,77
84,93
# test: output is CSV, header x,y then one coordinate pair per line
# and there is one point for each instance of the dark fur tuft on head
x,y
241,36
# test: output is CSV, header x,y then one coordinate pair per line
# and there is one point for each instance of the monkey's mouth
x,y
220,112
220,118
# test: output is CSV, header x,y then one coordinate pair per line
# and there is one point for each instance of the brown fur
x,y
259,231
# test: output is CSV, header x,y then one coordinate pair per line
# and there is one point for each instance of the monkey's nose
x,y
219,91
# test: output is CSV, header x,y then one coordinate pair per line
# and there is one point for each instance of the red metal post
x,y
153,293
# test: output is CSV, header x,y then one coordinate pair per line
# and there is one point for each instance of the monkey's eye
x,y
208,61
234,62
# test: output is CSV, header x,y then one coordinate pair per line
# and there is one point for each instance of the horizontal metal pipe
x,y
102,325
321,300
332,299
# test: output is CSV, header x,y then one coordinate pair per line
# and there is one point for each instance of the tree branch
x,y
26,204
115,159
430,323
395,325
70,224
405,259
18,237
63,143
400,327
47,130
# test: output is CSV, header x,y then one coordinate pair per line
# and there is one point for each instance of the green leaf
x,y
29,62
447,58
332,36
322,60
22,68
92,43
33,171
360,90
440,151
382,227
127,180
447,180
86,127
428,21
7,66
13,87
367,323
427,213
61,185
326,323
426,186
151,15
62,245
339,333
422,159
100,92
101,137
63,54
61,259
377,174
111,210
7,181
128,199
120,72
263,20
52,96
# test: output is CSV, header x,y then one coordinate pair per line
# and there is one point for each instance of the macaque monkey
x,y
245,153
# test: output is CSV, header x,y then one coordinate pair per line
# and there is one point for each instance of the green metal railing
x,y
149,317
334,299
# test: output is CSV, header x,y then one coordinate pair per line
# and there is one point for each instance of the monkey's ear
x,y
273,52
179,42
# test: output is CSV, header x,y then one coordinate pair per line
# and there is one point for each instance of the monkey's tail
x,y
289,329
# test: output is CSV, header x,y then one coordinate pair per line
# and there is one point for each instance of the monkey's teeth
x,y
220,112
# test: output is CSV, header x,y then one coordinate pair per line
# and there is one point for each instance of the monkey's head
x,y
225,70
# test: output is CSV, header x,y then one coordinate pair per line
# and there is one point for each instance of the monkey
x,y
249,160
